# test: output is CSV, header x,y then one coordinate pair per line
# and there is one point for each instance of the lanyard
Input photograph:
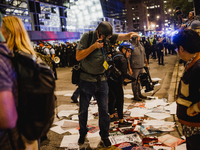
x,y
103,52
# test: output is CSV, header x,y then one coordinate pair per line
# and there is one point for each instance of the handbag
x,y
76,71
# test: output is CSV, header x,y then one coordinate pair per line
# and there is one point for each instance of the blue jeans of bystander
x,y
87,90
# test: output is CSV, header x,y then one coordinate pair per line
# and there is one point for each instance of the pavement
x,y
169,74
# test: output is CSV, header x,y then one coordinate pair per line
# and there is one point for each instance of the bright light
x,y
169,10
153,25
148,15
158,17
157,25
151,7
138,17
166,20
133,18
144,26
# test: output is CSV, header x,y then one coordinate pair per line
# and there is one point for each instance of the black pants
x,y
147,56
116,98
160,56
193,142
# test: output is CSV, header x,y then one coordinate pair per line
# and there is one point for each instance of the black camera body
x,y
106,46
178,10
145,80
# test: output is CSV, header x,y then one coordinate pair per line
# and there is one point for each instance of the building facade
x,y
72,16
145,15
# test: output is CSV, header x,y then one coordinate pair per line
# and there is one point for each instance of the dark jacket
x,y
122,65
189,93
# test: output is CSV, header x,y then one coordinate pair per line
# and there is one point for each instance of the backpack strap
x,y
11,139
117,56
90,38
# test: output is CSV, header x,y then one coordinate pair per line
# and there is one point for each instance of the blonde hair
x,y
18,38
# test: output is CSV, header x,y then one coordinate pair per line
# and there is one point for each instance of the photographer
x,y
189,21
179,16
93,80
116,80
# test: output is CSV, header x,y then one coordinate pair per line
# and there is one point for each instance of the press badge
x,y
105,64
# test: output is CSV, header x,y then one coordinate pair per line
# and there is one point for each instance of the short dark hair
x,y
188,39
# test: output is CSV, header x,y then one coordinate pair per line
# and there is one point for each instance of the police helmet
x,y
127,45
105,28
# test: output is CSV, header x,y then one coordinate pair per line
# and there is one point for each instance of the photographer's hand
x,y
127,36
98,44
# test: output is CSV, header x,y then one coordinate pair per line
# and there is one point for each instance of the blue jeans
x,y
87,90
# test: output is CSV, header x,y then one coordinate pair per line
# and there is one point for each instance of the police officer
x,y
52,53
147,47
63,50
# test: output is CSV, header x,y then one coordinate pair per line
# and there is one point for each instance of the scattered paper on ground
x,y
138,112
158,116
128,96
161,148
125,138
69,141
181,147
170,140
58,129
155,79
68,94
66,113
172,108
67,123
154,103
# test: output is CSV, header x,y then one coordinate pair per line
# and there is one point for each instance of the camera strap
x,y
105,63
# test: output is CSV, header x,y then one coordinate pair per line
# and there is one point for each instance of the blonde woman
x,y
15,35
17,39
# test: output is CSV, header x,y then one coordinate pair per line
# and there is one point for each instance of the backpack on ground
x,y
36,99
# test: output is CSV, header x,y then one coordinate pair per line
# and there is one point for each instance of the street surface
x,y
168,83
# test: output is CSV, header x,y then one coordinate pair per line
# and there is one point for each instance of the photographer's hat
x,y
1,35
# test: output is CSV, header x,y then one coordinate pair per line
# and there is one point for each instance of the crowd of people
x,y
64,51
129,60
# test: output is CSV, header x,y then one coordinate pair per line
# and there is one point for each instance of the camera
x,y
178,10
145,80
106,46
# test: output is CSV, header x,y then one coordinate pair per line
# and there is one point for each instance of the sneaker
x,y
124,124
74,100
81,139
106,141
113,119
142,96
137,98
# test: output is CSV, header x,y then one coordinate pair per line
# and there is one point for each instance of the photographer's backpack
x,y
36,99
112,69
